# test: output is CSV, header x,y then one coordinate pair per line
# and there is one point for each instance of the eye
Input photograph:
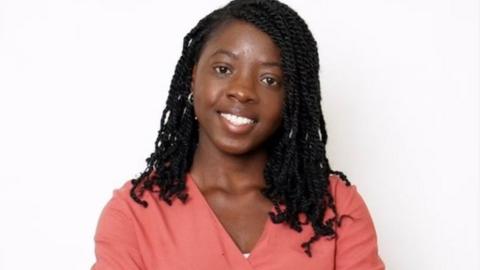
x,y
223,70
270,81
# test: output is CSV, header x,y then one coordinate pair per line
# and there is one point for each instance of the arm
x,y
116,245
356,237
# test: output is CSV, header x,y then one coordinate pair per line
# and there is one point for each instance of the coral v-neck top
x,y
190,236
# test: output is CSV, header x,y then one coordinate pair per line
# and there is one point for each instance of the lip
x,y
238,130
239,112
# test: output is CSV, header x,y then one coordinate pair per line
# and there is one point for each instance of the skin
x,y
238,68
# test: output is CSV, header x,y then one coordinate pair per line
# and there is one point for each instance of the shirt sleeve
x,y
356,237
116,246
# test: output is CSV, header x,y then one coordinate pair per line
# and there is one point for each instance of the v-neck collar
x,y
262,241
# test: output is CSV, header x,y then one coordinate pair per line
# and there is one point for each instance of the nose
x,y
243,90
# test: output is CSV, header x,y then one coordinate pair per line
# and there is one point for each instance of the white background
x,y
83,85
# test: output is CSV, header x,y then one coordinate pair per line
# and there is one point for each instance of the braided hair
x,y
297,170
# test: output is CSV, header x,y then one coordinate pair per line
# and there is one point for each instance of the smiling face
x,y
238,90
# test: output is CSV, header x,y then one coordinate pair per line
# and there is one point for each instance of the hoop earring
x,y
190,98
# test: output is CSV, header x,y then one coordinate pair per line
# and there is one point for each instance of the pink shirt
x,y
190,236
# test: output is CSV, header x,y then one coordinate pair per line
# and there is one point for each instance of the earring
x,y
190,98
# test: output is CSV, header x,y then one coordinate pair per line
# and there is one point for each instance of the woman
x,y
239,178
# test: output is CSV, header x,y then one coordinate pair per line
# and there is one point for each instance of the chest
x,y
189,236
243,220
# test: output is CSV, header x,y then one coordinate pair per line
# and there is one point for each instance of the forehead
x,y
242,38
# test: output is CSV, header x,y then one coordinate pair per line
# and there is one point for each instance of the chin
x,y
236,148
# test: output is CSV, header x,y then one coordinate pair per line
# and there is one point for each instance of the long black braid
x,y
297,171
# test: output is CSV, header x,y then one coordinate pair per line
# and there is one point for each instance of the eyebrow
x,y
272,64
223,51
234,56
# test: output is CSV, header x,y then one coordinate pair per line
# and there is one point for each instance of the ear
x,y
194,70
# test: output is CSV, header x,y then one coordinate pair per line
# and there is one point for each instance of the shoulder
x,y
116,223
346,197
119,204
123,204
356,241
123,215
156,207
120,197
339,188
123,191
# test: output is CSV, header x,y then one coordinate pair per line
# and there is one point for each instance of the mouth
x,y
237,124
237,119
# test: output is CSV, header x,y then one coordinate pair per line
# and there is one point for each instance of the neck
x,y
212,168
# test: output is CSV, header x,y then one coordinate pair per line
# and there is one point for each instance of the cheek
x,y
274,108
276,103
206,94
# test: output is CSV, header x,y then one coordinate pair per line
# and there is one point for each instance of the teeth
x,y
237,120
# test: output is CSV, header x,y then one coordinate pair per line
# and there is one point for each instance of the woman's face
x,y
238,90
